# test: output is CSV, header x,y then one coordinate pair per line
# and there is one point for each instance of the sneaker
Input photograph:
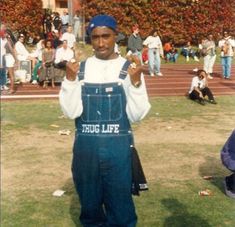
x,y
210,77
152,74
213,102
196,58
227,190
195,70
187,58
159,74
202,102
5,88
34,82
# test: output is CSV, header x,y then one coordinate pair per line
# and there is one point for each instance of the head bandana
x,y
100,21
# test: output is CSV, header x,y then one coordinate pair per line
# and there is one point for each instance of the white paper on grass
x,y
58,192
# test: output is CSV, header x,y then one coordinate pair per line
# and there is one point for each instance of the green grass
x,y
178,142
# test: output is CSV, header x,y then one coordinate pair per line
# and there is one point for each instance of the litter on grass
x,y
205,192
61,117
55,126
58,192
207,177
64,132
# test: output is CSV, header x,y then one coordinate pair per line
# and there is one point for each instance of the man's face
x,y
202,75
69,30
103,41
21,39
65,45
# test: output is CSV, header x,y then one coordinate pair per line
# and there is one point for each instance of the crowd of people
x,y
56,46
48,56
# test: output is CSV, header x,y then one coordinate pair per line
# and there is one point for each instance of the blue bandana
x,y
100,21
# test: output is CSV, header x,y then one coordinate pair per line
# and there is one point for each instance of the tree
x,y
179,20
22,15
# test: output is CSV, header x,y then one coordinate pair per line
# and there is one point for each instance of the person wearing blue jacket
x,y
228,160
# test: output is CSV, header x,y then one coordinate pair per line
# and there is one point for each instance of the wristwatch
x,y
137,84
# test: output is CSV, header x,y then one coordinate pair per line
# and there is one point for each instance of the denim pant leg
x,y
226,65
228,68
175,56
87,180
3,76
139,54
151,60
118,202
157,62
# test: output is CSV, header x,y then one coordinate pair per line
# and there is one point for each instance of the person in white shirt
x,y
69,36
22,53
155,52
199,88
64,21
104,94
210,55
3,42
63,55
227,46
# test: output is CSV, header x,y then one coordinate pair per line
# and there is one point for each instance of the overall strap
x,y
123,72
81,70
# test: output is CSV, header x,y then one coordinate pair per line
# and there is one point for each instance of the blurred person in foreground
x,y
228,160
199,88
107,94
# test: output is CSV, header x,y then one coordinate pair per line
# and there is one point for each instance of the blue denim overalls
x,y
101,164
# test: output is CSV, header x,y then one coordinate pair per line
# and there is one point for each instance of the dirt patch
x,y
196,130
35,159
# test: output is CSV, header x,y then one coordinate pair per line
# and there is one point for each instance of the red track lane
x,y
175,81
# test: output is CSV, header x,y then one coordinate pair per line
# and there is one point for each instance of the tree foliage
x,y
22,15
179,20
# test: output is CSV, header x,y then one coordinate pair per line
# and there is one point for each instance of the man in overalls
x,y
104,97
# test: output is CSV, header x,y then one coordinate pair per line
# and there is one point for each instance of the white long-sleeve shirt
x,y
104,71
70,37
196,82
21,52
63,54
154,42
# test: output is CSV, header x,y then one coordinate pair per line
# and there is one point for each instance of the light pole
x,y
70,11
83,22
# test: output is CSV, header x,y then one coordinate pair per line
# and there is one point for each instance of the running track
x,y
175,81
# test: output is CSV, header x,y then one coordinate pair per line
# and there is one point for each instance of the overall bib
x,y
101,164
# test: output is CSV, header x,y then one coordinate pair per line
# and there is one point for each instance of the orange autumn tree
x,y
22,15
179,20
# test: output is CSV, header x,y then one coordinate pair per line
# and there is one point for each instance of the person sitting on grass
x,y
188,51
172,55
199,88
228,160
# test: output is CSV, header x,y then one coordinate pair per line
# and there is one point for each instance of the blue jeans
x,y
154,60
3,76
226,65
139,54
172,57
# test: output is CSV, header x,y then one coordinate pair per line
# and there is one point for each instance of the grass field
x,y
179,142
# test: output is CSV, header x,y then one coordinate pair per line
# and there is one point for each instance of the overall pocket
x,y
98,108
